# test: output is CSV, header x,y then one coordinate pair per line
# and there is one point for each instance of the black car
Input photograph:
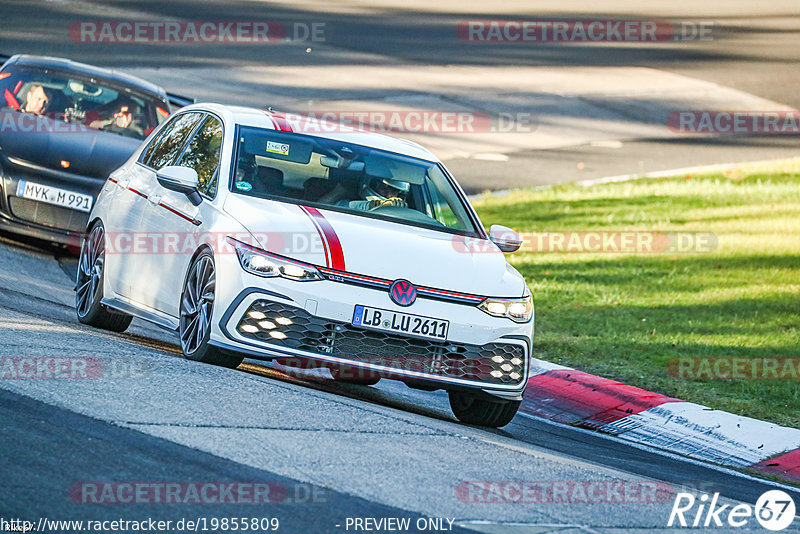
x,y
64,127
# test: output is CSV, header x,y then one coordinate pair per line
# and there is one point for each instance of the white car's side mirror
x,y
506,239
181,180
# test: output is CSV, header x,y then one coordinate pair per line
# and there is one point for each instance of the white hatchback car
x,y
351,250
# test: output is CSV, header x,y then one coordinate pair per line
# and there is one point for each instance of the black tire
x,y
474,410
196,312
354,375
89,285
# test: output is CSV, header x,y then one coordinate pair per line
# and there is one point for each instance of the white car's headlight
x,y
519,310
260,262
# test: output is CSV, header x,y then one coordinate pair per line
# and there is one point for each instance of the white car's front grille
x,y
292,327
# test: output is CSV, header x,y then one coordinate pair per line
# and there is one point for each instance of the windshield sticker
x,y
243,186
278,148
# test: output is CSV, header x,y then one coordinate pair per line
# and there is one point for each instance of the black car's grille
x,y
289,326
48,215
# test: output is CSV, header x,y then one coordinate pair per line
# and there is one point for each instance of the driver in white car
x,y
379,193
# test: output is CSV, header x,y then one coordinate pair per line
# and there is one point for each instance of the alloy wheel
x,y
197,303
90,269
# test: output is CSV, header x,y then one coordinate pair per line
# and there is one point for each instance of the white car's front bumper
x,y
321,314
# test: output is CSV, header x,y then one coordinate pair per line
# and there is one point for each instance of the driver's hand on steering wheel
x,y
390,202
123,119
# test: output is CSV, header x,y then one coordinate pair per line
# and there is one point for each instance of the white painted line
x,y
630,177
706,434
611,144
489,156
701,169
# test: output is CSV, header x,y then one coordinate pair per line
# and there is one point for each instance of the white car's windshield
x,y
346,177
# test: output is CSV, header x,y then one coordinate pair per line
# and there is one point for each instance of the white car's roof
x,y
263,119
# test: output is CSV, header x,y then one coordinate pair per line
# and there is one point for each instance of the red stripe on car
x,y
423,291
328,235
281,123
179,214
451,294
132,190
359,277
334,245
321,235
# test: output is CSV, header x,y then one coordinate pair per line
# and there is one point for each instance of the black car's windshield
x,y
347,177
93,104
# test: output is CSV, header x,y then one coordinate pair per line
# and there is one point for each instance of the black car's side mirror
x,y
181,180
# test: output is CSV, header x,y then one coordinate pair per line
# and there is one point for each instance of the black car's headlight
x,y
519,310
263,263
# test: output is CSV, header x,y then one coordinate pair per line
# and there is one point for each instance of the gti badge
x,y
403,293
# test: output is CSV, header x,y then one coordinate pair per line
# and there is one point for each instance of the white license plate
x,y
54,195
400,323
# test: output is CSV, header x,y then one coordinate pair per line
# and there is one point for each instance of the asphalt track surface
x,y
384,451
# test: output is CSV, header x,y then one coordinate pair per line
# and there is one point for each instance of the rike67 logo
x,y
774,510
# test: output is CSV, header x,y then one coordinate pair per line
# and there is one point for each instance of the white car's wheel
x,y
474,410
89,286
197,305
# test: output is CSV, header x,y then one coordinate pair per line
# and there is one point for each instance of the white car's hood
x,y
377,248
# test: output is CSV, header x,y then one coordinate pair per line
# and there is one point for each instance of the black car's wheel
x,y
197,305
89,287
354,375
474,410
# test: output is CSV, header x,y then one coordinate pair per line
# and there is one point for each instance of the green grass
x,y
624,316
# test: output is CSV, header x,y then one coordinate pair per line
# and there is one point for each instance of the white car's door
x,y
184,220
117,222
123,221
145,272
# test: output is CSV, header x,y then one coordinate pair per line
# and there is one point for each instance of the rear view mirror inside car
x,y
341,163
280,146
393,168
